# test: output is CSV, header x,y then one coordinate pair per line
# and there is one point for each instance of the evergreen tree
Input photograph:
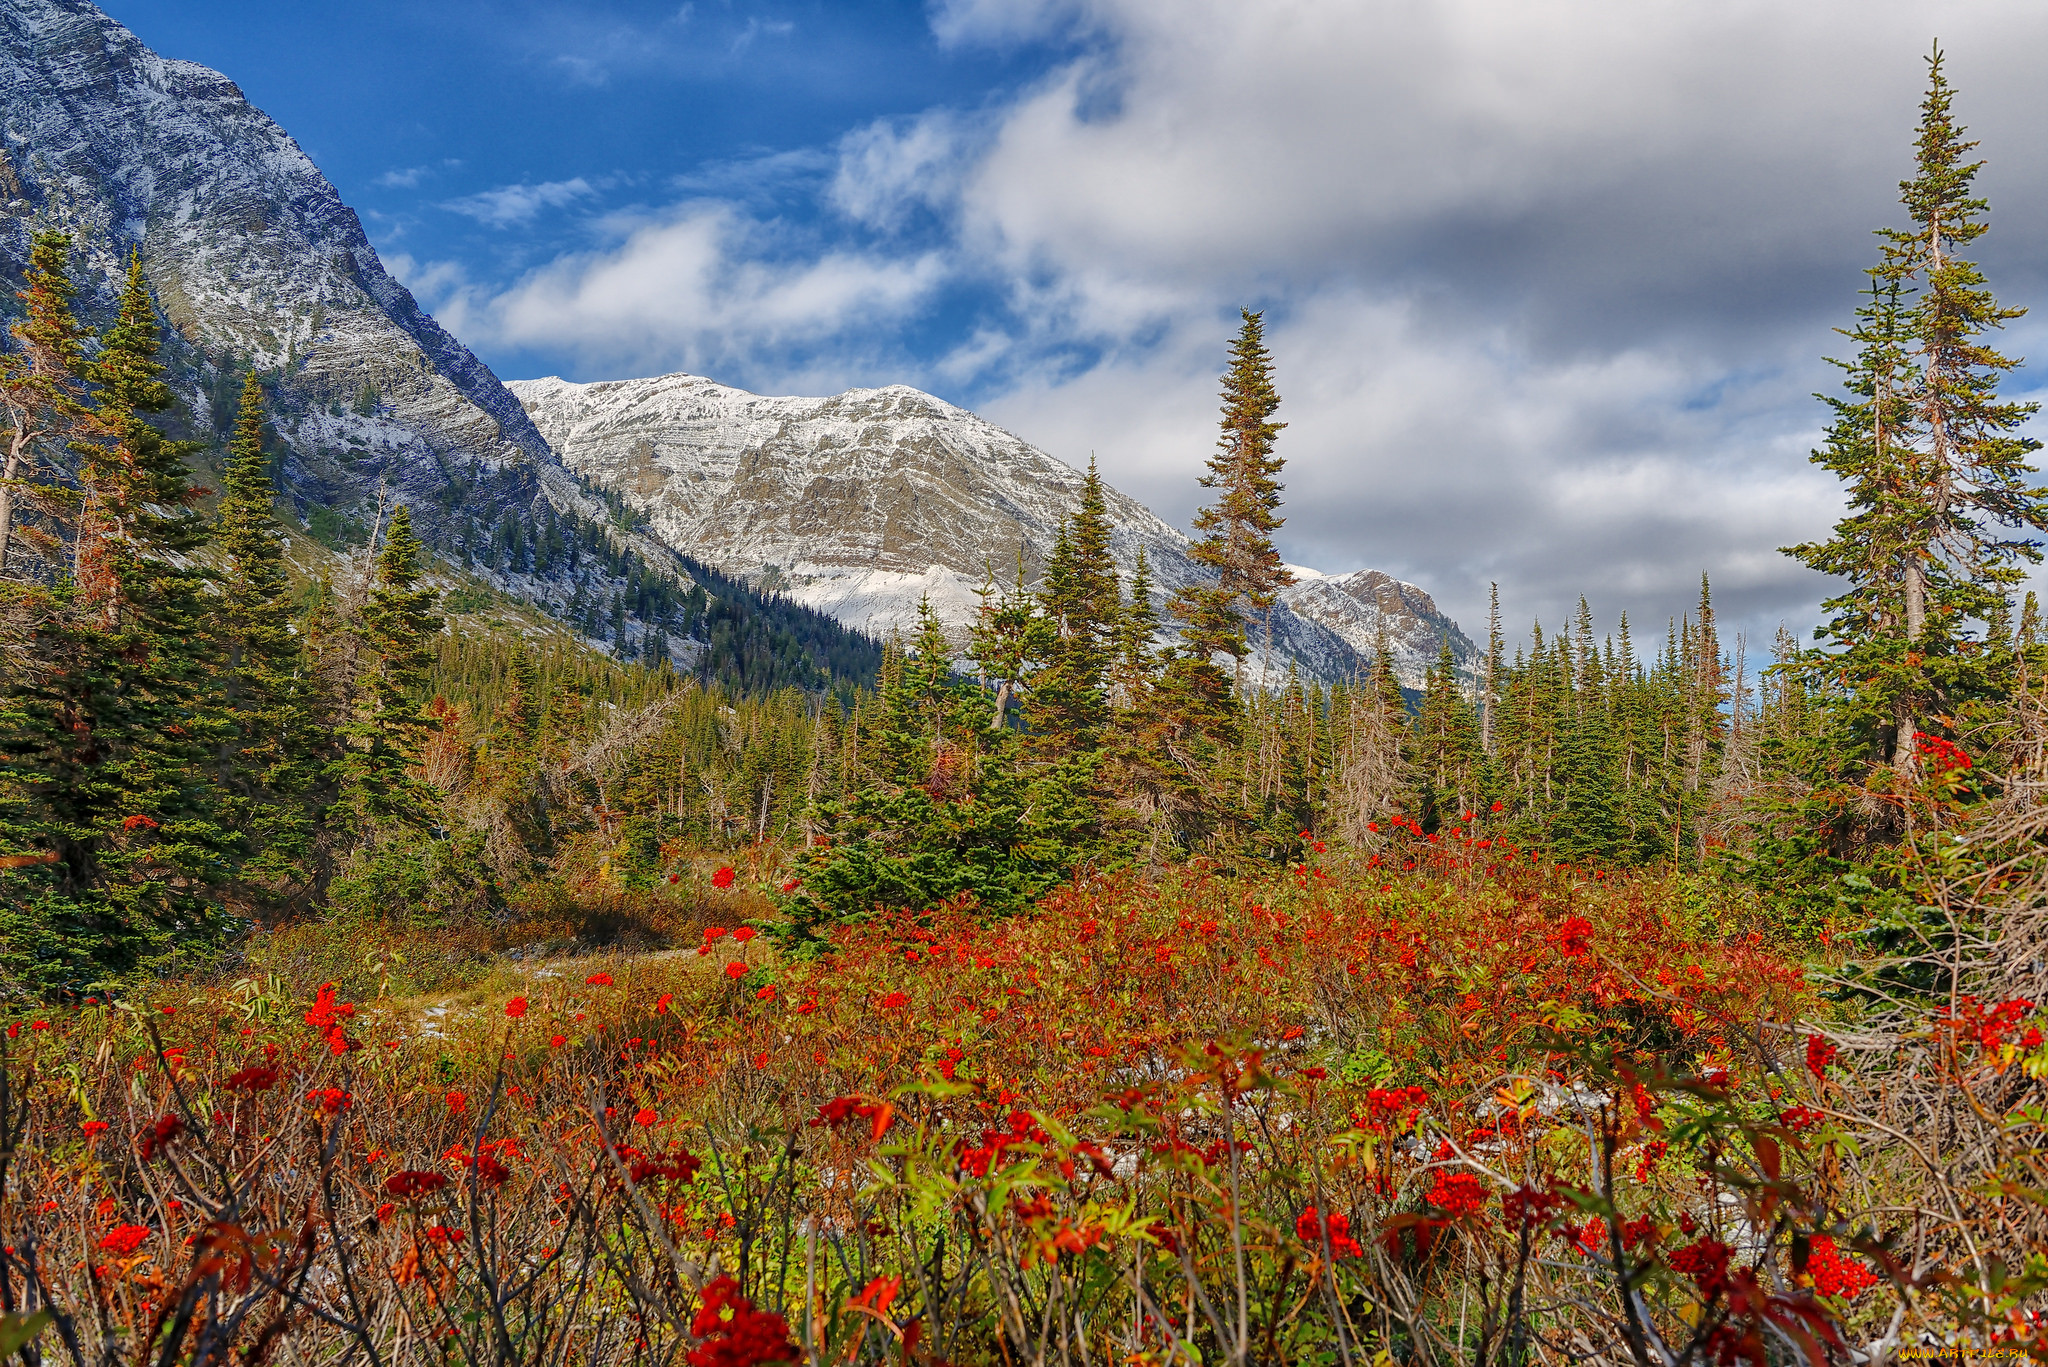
x,y
1589,827
945,809
1081,604
42,389
1134,662
1489,697
1941,494
267,763
1444,745
1236,531
1386,685
386,725
109,730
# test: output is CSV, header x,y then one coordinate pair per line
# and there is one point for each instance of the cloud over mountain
x,y
1548,284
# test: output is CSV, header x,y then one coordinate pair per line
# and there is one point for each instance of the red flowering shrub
x,y
154,1140
1060,1103
407,1185
1311,1229
326,1016
735,1334
841,1110
677,1165
1834,1274
1528,1208
1944,757
489,1172
123,1240
1705,1261
1457,1194
331,1100
1820,1052
1571,937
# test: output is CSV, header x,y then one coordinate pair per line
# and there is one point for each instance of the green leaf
x,y
18,1331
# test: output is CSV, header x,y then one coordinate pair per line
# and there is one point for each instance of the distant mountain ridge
x,y
583,500
257,262
862,503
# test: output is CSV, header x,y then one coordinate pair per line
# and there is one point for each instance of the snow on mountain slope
x,y
1358,607
863,503
253,256
256,262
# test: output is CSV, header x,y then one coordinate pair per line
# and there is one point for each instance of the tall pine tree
x,y
110,727
267,761
1943,500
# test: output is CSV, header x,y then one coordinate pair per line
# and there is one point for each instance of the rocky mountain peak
x,y
257,263
864,503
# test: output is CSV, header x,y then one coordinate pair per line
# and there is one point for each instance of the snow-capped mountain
x,y
257,263
856,505
1361,606
252,255
863,503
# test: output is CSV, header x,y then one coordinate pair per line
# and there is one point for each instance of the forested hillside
x,y
204,737
393,977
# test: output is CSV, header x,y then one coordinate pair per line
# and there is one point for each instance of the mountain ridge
x,y
256,262
646,507
863,503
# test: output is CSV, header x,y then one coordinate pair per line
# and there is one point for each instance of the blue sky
x,y
497,136
1548,281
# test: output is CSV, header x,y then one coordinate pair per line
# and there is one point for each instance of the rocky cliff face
x,y
254,259
1365,607
256,262
863,503
857,505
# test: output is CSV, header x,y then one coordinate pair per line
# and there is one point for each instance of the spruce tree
x,y
946,809
1490,683
110,728
267,764
1444,745
1386,685
1943,500
42,389
1202,786
387,726
1236,531
1010,643
1081,605
1589,827
1133,660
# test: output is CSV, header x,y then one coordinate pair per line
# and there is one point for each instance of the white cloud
x,y
1455,463
696,288
1547,280
762,178
511,205
892,166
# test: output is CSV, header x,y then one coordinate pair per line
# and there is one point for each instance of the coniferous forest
x,y
391,981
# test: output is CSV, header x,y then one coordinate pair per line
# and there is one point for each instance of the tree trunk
x,y
17,446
